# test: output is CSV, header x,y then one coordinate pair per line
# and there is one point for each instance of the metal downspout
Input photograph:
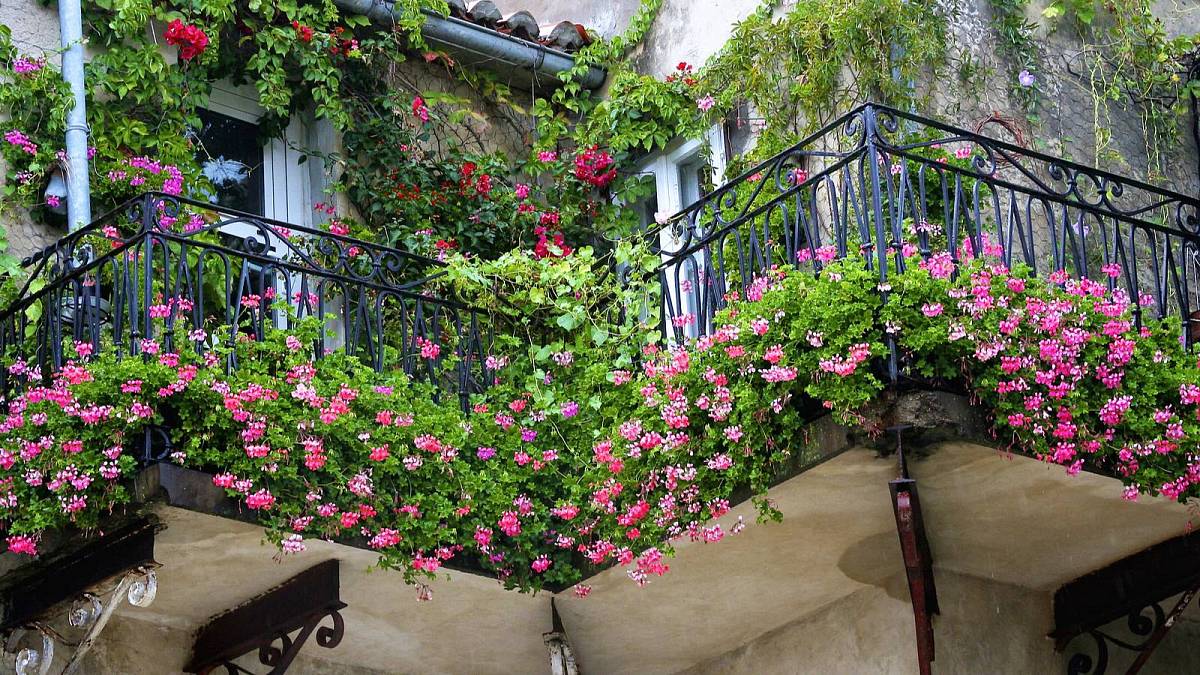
x,y
79,198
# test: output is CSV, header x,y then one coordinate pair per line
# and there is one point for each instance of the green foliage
x,y
331,449
36,103
1131,63
821,58
1016,43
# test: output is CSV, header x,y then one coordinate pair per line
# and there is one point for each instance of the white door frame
x,y
665,167
287,195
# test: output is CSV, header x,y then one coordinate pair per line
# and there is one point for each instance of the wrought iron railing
x,y
879,182
161,263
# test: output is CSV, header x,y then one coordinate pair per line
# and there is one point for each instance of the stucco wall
x,y
130,647
984,627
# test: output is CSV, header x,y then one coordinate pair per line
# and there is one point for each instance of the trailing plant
x,y
1016,33
579,456
801,69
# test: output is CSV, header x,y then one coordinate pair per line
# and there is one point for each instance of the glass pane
x,y
231,157
646,208
692,177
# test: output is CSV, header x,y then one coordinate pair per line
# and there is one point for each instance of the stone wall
x,y
692,32
34,31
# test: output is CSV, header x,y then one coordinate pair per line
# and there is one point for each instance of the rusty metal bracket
x,y
297,606
1152,628
918,565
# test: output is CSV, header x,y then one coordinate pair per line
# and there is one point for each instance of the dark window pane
x,y
231,157
646,208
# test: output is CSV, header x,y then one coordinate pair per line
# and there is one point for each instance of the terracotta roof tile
x,y
565,36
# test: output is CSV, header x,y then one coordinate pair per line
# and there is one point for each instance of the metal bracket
x,y
562,657
33,595
31,591
280,658
918,565
1152,628
288,614
89,613
1132,588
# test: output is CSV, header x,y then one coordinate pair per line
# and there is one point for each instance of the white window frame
x,y
665,167
287,192
287,187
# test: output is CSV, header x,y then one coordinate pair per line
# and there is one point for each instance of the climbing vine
x,y
801,69
1128,62
1016,43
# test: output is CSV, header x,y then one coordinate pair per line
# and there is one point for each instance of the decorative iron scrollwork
x,y
278,651
90,613
881,185
1138,624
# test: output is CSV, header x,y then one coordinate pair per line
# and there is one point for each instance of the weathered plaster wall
x,y
984,627
34,31
131,647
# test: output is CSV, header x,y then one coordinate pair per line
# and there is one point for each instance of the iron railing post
x,y
874,158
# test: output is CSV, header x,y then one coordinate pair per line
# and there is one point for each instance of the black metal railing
x,y
879,183
160,266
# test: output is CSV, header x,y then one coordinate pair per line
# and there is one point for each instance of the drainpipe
x,y
79,198
502,52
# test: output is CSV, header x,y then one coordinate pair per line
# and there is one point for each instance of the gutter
x,y
528,64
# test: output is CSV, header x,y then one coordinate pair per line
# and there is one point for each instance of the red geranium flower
x,y
190,39
595,166
419,109
305,33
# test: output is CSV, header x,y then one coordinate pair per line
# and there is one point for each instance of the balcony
x,y
883,184
878,183
173,263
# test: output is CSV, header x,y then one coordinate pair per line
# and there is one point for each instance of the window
x,y
231,158
263,179
248,175
683,170
681,175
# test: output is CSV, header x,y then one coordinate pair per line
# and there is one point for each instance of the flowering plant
x,y
191,40
581,455
595,167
